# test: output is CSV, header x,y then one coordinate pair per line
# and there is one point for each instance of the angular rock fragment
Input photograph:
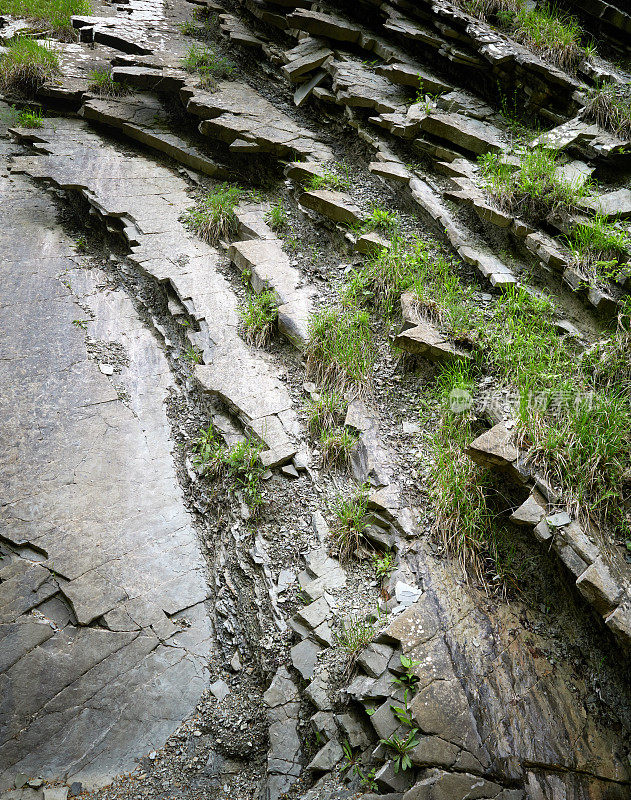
x,y
493,448
469,134
336,206
598,587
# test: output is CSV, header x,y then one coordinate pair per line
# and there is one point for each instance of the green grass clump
x,y
535,189
188,28
276,217
213,217
340,351
325,412
102,83
574,415
207,64
337,446
239,465
599,247
382,219
555,38
54,15
350,524
30,118
26,65
258,315
459,489
609,106
330,180
354,634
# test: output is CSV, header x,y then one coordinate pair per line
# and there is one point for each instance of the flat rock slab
x,y
325,25
337,206
89,484
357,86
611,205
469,134
424,339
237,113
140,119
163,249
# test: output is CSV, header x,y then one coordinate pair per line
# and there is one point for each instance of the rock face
x,y
104,558
284,663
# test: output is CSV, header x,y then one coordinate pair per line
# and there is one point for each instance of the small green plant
x,y
52,15
259,315
26,65
535,189
324,412
207,64
340,351
382,219
102,83
239,465
80,323
596,245
192,354
402,748
555,38
81,245
207,451
244,467
30,118
337,446
330,180
352,763
277,216
213,217
188,28
350,523
354,634
609,105
383,564
407,679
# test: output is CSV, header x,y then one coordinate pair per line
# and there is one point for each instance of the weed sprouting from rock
x,y
259,314
276,217
207,64
340,351
53,15
102,83
609,105
213,217
348,528
30,118
25,66
535,188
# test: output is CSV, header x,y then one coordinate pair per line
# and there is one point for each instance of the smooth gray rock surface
x,y
89,486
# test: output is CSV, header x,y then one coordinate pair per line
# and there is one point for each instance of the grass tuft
x,y
258,315
535,189
599,248
213,217
26,65
276,217
330,180
30,118
337,446
609,106
207,64
349,525
240,464
53,15
325,412
102,83
341,352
